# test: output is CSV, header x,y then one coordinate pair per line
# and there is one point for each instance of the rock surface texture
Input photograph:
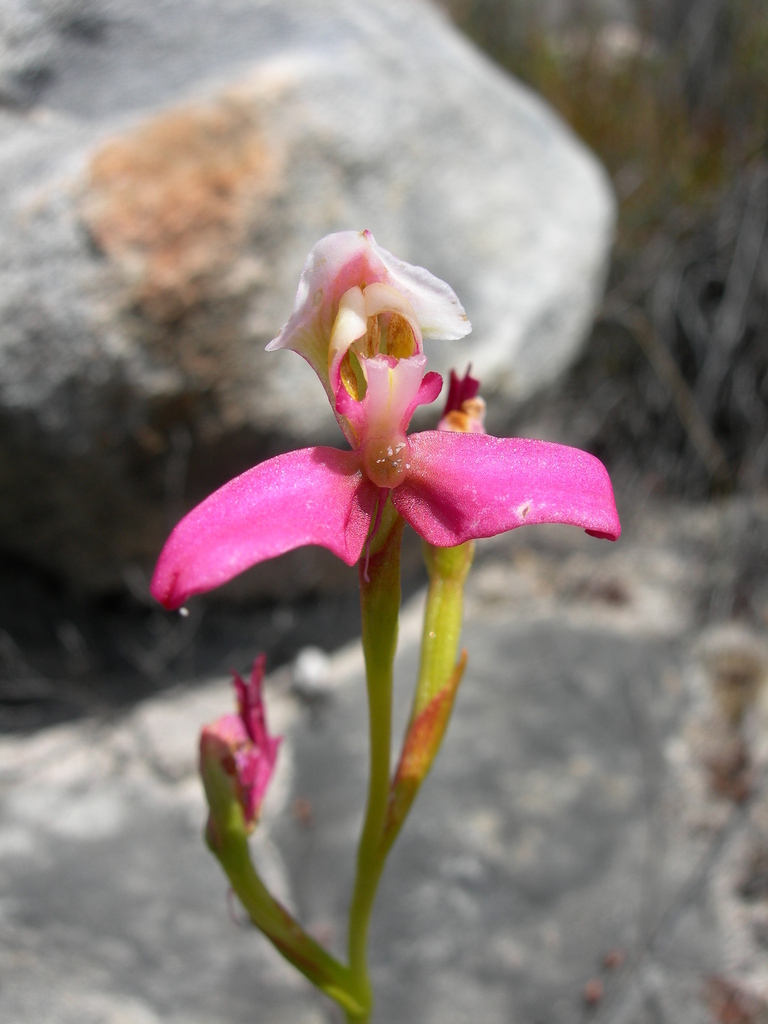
x,y
591,845
165,169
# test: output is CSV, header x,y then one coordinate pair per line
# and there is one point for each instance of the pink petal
x,y
226,734
254,771
462,486
250,705
430,388
310,496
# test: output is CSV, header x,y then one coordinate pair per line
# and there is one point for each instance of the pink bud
x,y
242,746
464,410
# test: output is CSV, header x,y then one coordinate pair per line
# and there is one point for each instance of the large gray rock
x,y
166,168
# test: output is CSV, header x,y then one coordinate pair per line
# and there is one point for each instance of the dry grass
x,y
677,108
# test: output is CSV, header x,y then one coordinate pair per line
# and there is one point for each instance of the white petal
x,y
351,323
437,307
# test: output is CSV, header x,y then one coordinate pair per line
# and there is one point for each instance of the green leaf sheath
x,y
448,569
440,673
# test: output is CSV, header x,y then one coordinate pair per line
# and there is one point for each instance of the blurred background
x,y
672,98
591,177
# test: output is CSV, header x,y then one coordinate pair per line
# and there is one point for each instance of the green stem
x,y
227,839
388,802
380,605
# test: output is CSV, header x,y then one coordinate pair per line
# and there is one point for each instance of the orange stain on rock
x,y
171,202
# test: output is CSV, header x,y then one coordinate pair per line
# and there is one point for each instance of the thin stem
x,y
227,839
380,605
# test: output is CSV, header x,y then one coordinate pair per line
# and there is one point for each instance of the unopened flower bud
x,y
464,409
237,755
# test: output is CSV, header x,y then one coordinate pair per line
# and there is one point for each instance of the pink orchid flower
x,y
242,744
360,319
